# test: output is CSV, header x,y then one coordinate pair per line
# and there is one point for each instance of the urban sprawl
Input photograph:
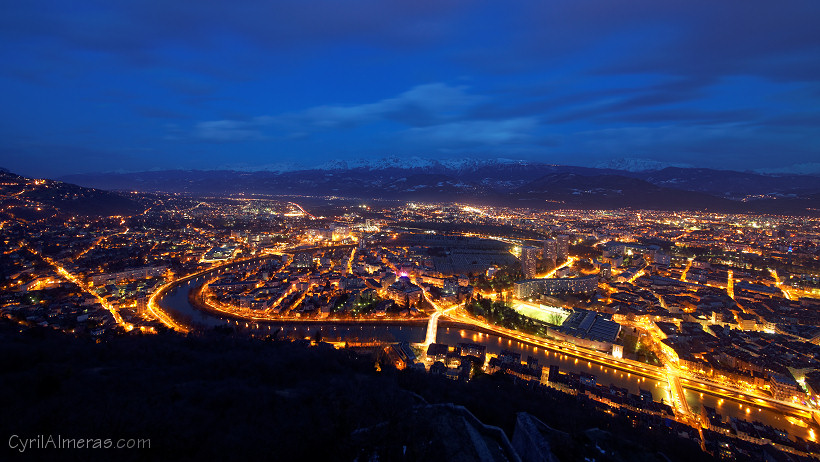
x,y
706,323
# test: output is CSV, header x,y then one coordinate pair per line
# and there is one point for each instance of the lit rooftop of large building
x,y
591,325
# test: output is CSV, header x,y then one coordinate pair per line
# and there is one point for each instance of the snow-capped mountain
x,y
631,164
646,183
416,162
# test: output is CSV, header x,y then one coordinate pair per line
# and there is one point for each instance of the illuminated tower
x,y
562,243
529,256
550,252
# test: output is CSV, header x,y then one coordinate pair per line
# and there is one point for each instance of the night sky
x,y
155,84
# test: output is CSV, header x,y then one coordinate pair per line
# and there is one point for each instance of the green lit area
x,y
548,314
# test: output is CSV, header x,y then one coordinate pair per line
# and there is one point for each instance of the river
x,y
177,301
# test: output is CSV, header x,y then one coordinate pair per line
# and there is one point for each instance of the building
x,y
550,252
129,274
320,233
339,232
531,288
661,258
404,292
472,349
400,355
218,253
746,321
606,270
529,257
303,260
784,387
617,351
612,259
387,280
591,325
562,246
450,287
437,351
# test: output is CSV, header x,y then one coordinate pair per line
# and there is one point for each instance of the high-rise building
x,y
562,244
529,255
550,252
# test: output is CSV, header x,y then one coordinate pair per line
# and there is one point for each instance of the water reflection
x,y
177,301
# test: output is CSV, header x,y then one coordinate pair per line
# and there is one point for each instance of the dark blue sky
x,y
153,84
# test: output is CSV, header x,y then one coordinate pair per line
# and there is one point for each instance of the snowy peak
x,y
378,164
631,164
415,162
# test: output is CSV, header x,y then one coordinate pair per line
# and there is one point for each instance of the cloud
x,y
426,116
685,116
419,106
797,120
681,38
143,26
474,132
674,138
686,77
629,99
759,38
776,40
729,145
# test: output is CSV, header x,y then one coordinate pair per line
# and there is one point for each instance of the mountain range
x,y
495,182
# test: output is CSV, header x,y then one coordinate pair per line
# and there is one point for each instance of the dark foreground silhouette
x,y
222,396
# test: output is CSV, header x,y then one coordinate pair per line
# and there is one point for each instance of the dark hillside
x,y
223,397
